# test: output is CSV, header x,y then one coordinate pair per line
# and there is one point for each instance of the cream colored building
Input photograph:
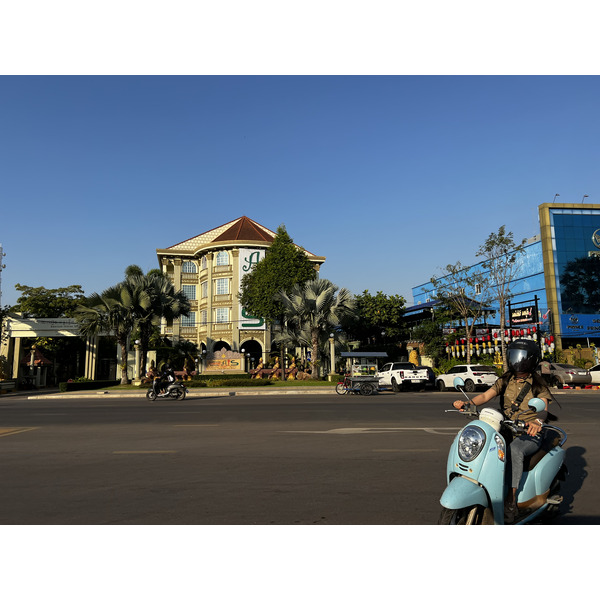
x,y
208,268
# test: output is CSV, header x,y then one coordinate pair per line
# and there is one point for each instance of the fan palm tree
x,y
315,308
165,303
114,311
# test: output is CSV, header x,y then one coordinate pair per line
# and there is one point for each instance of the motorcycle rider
x,y
167,376
515,388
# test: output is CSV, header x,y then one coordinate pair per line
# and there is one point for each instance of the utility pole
x,y
2,267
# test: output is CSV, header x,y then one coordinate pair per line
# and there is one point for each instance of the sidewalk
x,y
115,392
55,394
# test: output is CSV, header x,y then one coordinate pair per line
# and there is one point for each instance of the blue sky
x,y
389,177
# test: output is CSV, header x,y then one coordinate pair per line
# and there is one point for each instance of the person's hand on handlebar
x,y
534,427
460,404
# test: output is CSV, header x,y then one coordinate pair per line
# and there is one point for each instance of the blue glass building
x,y
559,273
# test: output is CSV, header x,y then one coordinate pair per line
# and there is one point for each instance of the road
x,y
302,459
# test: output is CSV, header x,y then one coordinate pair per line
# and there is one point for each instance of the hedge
x,y
222,376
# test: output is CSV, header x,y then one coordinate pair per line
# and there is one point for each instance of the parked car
x,y
474,376
595,373
559,374
431,374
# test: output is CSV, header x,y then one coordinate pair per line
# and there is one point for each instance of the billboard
x,y
249,258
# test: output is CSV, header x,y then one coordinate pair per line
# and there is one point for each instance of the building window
x,y
188,267
221,286
222,315
189,291
189,321
478,289
203,317
204,289
203,263
222,258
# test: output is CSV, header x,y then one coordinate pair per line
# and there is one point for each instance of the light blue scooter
x,y
476,469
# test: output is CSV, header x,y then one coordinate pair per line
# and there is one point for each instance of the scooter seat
x,y
551,440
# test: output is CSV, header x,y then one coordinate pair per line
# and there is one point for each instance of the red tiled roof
x,y
244,229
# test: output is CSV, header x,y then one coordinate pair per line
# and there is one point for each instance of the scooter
x,y
476,470
175,390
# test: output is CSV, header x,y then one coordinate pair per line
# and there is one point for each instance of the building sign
x,y
578,325
523,315
224,360
249,258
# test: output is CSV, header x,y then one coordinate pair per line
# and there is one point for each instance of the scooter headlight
x,y
470,443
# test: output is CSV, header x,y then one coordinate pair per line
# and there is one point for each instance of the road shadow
x,y
576,464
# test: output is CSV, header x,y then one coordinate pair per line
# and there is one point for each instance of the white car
x,y
474,376
595,373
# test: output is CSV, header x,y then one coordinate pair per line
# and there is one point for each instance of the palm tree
x,y
114,311
165,303
315,308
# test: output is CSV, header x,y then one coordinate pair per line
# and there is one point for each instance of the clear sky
x,y
389,177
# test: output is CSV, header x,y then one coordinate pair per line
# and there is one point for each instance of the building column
x,y
235,303
16,358
91,357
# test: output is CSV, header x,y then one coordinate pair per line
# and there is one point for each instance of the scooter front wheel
x,y
471,515
151,395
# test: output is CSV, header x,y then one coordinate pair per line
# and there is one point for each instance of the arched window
x,y
222,258
203,262
188,267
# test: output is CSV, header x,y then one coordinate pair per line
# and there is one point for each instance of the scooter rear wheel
x,y
177,394
471,515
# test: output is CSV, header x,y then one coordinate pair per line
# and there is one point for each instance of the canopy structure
x,y
364,355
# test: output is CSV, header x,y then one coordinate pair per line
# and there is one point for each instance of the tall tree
x,y
502,265
115,311
378,318
165,302
43,303
318,306
452,290
283,266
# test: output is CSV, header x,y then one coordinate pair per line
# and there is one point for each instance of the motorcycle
x,y
175,390
476,470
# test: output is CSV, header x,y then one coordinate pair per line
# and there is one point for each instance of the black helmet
x,y
523,356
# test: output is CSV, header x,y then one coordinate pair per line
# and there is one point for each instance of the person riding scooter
x,y
167,376
515,388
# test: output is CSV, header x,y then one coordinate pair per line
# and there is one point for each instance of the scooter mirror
x,y
459,382
537,405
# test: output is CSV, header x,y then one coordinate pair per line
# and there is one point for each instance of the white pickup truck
x,y
402,375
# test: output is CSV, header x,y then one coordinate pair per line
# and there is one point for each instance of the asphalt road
x,y
301,459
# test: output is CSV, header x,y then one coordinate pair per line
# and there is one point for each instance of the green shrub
x,y
238,382
222,376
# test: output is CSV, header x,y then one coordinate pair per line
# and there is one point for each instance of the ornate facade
x,y
208,268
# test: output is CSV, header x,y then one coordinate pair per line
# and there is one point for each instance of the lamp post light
x,y
555,197
584,197
202,359
332,353
136,371
244,358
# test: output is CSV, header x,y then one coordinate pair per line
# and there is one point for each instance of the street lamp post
x,y
332,353
136,372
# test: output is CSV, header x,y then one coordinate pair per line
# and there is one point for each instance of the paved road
x,y
301,459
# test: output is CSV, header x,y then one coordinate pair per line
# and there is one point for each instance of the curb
x,y
223,392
